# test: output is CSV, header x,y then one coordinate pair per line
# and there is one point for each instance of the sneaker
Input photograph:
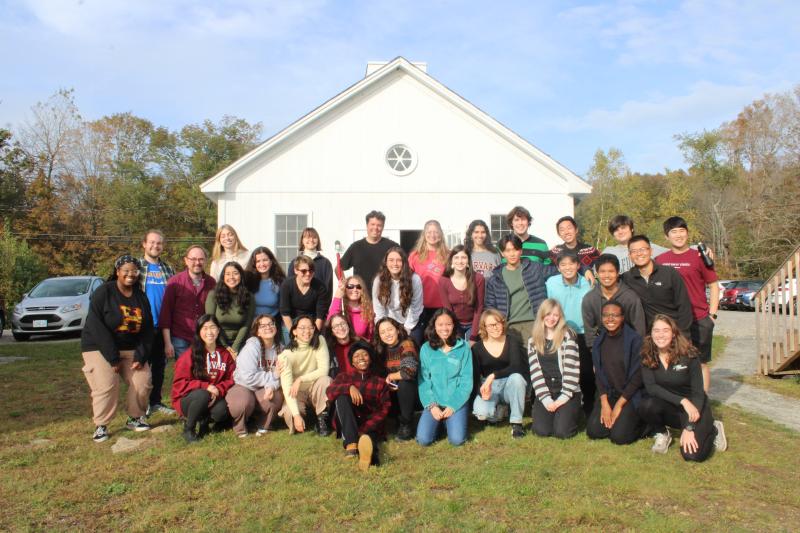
x,y
323,429
100,434
662,442
480,418
260,432
243,435
159,408
720,441
404,432
351,451
137,424
364,453
517,431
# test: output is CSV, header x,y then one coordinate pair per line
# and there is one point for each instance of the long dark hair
x,y
330,338
225,297
448,272
385,281
199,370
469,245
678,348
381,348
430,331
276,342
253,276
293,345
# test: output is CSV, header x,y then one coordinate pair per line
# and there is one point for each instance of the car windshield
x,y
60,287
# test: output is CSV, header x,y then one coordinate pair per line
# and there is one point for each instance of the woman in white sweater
x,y
397,293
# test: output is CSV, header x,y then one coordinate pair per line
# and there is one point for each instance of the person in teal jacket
x,y
445,381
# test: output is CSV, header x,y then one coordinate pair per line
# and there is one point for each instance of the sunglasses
x,y
352,286
305,271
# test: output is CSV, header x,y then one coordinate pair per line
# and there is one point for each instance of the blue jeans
x,y
179,344
456,426
510,390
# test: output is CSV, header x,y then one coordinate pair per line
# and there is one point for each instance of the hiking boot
x,y
190,436
159,408
364,452
323,429
720,441
100,434
404,432
351,451
137,424
517,431
662,442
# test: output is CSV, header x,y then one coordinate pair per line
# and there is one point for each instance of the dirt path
x,y
740,359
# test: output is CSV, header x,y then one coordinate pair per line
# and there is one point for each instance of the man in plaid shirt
x,y
362,405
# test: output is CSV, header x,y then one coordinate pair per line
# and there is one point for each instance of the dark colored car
x,y
746,300
732,291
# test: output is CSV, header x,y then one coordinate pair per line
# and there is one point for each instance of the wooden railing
x,y
777,321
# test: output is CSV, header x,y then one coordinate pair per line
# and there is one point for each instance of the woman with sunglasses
x,y
352,298
257,394
303,295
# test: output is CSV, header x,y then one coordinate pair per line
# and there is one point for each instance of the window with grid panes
x,y
499,227
288,229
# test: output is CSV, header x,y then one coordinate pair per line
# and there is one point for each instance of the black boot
x,y
323,429
189,434
404,432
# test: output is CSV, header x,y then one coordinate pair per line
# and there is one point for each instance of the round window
x,y
401,159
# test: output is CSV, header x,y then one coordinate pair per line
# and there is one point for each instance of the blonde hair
x,y
237,247
539,333
421,246
365,303
494,313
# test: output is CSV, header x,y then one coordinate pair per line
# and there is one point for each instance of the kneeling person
x,y
616,356
362,404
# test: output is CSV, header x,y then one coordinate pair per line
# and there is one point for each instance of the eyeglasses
x,y
611,315
195,259
305,271
352,286
639,251
340,325
268,325
493,325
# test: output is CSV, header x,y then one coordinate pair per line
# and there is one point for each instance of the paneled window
x,y
288,229
499,227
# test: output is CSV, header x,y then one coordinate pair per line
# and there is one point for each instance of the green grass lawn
x,y
303,483
788,386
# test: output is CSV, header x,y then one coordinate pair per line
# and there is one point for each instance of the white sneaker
x,y
662,442
720,441
260,432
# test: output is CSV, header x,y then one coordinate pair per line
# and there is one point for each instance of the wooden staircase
x,y
777,320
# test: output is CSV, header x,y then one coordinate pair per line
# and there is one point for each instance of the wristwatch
x,y
689,427
714,316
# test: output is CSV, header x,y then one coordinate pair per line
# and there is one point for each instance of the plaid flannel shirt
x,y
166,270
371,414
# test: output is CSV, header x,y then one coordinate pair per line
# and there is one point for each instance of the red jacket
x,y
219,366
371,414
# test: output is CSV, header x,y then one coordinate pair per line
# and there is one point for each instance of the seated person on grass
x,y
398,355
361,397
617,360
203,376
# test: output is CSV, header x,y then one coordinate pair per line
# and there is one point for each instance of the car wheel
x,y
20,336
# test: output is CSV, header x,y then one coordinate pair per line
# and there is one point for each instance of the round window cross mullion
x,y
401,160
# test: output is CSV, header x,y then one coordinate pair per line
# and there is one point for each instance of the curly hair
x,y
199,370
469,274
469,245
364,303
226,297
385,281
253,276
434,340
483,333
678,348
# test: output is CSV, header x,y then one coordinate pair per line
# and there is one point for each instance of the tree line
x,y
76,193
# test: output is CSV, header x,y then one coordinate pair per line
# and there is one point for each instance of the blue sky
x,y
570,77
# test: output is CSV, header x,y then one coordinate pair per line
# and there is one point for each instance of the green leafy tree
x,y
20,268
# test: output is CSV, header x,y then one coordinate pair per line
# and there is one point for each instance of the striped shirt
x,y
568,363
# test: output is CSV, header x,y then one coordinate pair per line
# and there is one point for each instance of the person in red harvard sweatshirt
x,y
203,375
362,405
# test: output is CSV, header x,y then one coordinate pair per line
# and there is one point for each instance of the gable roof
x,y
575,185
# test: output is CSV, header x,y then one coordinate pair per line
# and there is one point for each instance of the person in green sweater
x,y
304,376
233,306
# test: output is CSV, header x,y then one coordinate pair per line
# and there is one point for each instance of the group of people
x,y
621,338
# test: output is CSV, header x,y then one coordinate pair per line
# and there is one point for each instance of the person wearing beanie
x,y
362,405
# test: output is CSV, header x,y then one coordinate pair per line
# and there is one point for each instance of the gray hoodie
x,y
593,302
250,373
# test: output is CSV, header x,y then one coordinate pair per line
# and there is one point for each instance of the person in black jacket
x,y
617,361
674,382
116,341
310,245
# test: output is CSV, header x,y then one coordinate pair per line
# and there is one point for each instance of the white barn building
x,y
400,142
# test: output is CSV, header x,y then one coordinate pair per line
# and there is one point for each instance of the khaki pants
x,y
244,404
309,394
524,330
104,384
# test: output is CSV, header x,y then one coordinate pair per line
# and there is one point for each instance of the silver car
x,y
55,305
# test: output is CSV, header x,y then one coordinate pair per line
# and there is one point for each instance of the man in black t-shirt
x,y
364,256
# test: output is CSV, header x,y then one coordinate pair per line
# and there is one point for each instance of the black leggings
x,y
348,424
195,408
158,363
587,381
404,399
563,424
659,414
627,428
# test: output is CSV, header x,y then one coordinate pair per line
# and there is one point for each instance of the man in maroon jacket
x,y
184,302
